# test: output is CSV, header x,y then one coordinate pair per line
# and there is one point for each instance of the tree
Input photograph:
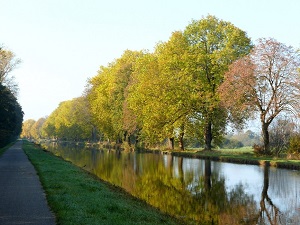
x,y
265,81
158,93
8,62
213,45
36,129
11,116
107,94
70,121
27,129
174,89
143,97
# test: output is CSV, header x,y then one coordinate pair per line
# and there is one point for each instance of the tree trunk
x,y
266,137
208,135
181,143
94,134
171,143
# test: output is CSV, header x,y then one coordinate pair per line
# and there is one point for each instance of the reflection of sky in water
x,y
284,185
251,178
283,191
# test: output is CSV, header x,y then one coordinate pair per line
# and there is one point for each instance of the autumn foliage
x,y
265,82
189,88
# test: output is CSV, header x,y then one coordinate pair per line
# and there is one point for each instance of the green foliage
x,y
107,94
155,98
294,147
213,45
27,129
8,62
70,121
175,88
11,116
32,129
170,94
231,143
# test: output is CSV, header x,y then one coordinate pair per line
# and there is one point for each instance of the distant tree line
x,y
11,114
187,91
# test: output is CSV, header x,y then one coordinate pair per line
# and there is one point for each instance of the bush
x,y
231,143
294,147
280,132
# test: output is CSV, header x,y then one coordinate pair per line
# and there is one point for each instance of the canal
x,y
194,190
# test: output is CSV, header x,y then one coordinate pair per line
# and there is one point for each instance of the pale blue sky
x,y
63,42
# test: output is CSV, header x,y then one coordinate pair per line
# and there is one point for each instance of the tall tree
x,y
11,116
8,62
213,45
144,98
36,129
107,95
175,88
159,91
266,81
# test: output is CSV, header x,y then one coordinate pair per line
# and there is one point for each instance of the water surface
x,y
197,191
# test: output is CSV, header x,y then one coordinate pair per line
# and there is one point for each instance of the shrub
x,y
294,147
231,143
280,132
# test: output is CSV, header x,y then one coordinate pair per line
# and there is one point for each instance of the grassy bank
x,y
77,197
242,156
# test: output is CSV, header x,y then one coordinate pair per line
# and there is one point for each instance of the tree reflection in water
x,y
197,195
269,213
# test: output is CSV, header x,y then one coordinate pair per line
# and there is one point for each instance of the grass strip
x,y
77,197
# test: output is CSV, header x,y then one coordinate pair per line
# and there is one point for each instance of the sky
x,y
62,43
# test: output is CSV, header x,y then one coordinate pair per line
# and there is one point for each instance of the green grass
x,y
77,197
243,150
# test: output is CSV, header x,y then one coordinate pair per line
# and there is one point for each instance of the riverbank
x,y
77,197
238,156
244,155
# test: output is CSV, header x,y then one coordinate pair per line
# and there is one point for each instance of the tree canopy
x,y
8,62
187,90
11,116
69,121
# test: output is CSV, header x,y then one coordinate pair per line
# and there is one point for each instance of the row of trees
x,y
70,121
11,114
191,87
